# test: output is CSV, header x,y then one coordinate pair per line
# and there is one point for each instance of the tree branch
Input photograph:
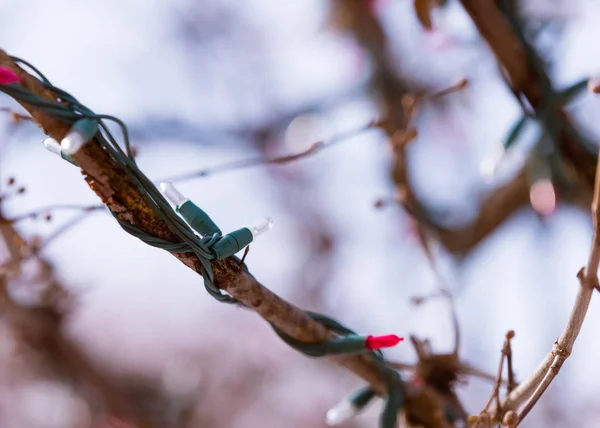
x,y
119,193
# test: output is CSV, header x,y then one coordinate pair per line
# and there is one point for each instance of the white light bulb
x,y
52,146
490,165
340,413
260,227
172,194
73,142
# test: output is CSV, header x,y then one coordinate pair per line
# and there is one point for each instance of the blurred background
x,y
204,83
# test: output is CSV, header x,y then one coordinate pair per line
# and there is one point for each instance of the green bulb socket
x,y
352,344
198,219
67,158
231,243
362,397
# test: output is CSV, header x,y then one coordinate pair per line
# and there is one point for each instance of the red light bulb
x,y
377,342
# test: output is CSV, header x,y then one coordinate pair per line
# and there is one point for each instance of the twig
x,y
465,369
279,160
443,289
512,384
61,231
60,207
506,350
16,116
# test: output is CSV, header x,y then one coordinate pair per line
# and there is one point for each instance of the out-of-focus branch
x,y
528,80
495,209
118,191
40,329
313,149
355,16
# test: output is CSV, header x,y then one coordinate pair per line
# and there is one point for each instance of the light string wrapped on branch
x,y
199,234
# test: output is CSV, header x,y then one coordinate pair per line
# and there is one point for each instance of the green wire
x,y
71,110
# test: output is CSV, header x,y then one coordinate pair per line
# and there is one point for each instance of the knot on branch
x,y
587,280
560,352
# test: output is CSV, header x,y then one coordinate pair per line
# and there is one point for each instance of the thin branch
x,y
16,117
60,231
279,160
465,369
506,350
512,384
57,207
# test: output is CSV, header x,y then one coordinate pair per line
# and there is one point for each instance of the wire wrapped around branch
x,y
69,110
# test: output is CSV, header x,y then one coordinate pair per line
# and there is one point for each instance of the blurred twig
x,y
58,207
278,160
356,17
16,117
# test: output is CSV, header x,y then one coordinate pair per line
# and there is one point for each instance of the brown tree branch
x,y
120,194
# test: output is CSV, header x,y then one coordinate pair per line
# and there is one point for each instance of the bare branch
x,y
58,207
278,160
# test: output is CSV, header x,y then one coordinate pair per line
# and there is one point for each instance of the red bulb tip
x,y
8,77
378,342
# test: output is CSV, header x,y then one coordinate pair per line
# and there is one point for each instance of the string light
x,y
191,213
349,407
54,146
261,226
379,342
489,166
200,221
80,133
212,245
235,241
